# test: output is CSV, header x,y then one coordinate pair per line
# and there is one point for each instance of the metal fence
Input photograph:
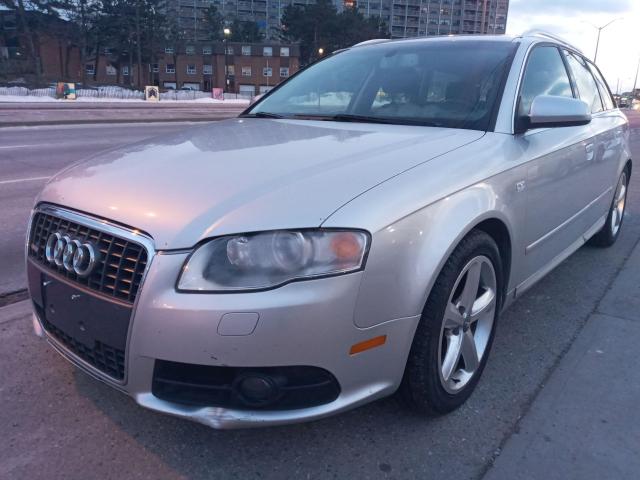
x,y
119,93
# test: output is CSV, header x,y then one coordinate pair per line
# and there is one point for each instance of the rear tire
x,y
456,331
609,233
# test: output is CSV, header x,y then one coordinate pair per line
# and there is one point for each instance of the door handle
x,y
589,148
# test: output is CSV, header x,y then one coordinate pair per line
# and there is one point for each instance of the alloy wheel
x,y
467,323
619,204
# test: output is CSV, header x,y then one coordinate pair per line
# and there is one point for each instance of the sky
x,y
574,20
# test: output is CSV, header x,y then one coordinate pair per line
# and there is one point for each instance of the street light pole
x,y
595,57
226,31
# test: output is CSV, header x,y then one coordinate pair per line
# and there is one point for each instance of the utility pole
x,y
635,82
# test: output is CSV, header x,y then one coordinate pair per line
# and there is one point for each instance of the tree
x,y
320,26
245,31
213,24
31,15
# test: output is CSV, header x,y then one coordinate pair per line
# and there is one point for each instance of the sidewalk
x,y
585,422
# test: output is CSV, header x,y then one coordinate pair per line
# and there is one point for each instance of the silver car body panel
x,y
417,190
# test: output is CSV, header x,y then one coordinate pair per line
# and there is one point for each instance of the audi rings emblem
x,y
75,256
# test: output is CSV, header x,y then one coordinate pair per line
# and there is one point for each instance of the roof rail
x,y
552,36
371,42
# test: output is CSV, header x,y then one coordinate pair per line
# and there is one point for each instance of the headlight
x,y
270,259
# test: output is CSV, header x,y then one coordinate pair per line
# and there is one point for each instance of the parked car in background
x,y
355,232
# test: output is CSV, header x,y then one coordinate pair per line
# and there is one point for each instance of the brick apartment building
x,y
252,67
403,18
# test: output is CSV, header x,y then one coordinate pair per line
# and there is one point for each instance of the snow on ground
x,y
29,99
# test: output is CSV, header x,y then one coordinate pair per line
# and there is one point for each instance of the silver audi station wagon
x,y
355,232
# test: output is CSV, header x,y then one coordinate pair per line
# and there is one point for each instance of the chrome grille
x,y
121,264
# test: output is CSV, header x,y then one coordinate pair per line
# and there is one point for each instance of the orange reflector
x,y
368,344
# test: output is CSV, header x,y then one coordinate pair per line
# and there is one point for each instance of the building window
x,y
191,69
125,70
154,68
170,85
170,68
90,69
231,70
267,51
207,69
266,71
191,50
246,71
168,50
246,50
206,50
284,72
106,51
111,70
229,50
284,51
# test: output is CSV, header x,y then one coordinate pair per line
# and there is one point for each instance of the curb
x,y
36,123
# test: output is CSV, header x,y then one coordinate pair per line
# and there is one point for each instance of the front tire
x,y
456,331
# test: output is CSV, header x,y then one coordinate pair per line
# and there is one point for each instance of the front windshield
x,y
448,83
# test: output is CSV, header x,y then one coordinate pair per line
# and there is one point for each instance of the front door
x,y
559,182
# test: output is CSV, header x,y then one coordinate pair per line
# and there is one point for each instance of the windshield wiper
x,y
347,117
262,115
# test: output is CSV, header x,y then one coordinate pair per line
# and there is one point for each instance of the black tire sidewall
x,y
421,385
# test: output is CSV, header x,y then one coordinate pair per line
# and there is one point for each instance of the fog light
x,y
256,390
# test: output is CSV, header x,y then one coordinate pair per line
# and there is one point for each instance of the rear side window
x,y
587,87
545,74
605,93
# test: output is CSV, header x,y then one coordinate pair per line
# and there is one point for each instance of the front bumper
x,y
308,323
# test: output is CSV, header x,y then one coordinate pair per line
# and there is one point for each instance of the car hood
x,y
244,175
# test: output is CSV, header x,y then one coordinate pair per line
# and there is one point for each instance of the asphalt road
x,y
56,422
28,156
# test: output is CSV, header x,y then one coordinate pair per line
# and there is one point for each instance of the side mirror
x,y
548,111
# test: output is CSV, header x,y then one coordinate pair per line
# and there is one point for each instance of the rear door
x,y
606,145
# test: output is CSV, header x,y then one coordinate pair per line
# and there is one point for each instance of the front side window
x,y
266,71
587,87
246,50
545,74
446,83
207,69
191,69
170,68
246,71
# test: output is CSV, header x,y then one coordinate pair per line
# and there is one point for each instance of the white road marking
x,y
23,146
18,180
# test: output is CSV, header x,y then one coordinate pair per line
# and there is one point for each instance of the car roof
x,y
530,36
